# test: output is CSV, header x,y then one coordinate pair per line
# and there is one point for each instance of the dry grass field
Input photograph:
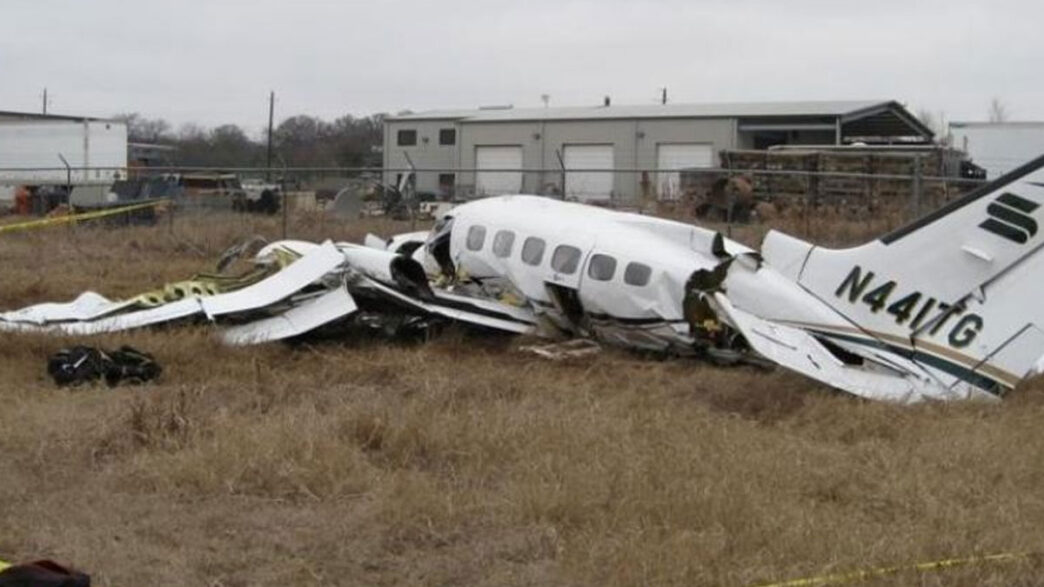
x,y
464,462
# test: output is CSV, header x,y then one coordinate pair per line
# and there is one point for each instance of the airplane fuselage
x,y
621,276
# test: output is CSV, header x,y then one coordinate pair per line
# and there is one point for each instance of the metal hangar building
x,y
498,150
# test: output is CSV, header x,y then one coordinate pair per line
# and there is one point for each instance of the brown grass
x,y
462,462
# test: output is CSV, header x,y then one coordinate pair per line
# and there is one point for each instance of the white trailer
x,y
999,147
59,152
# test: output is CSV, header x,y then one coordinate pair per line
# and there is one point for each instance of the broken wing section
x,y
87,306
311,267
305,317
799,351
277,293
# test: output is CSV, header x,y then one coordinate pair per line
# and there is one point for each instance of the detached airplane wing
x,y
93,314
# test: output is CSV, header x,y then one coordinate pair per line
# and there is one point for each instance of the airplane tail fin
x,y
958,290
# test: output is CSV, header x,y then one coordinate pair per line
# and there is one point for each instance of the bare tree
x,y
938,124
145,130
998,111
927,118
301,140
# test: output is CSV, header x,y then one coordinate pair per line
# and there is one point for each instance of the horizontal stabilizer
x,y
796,349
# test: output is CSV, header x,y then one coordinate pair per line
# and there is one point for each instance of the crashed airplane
x,y
943,308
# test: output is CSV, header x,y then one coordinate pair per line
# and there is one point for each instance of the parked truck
x,y
49,157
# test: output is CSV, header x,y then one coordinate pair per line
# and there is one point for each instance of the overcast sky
x,y
214,61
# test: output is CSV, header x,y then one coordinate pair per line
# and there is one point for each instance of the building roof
x,y
7,115
1005,124
718,110
859,118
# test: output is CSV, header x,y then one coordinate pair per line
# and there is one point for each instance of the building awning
x,y
885,121
882,122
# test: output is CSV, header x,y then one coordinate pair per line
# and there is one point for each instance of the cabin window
x,y
637,274
502,243
533,250
476,238
601,267
406,138
565,259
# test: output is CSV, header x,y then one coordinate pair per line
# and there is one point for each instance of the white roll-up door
x,y
495,183
591,183
679,156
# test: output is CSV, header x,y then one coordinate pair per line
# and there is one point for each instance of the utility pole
x,y
663,95
271,114
45,101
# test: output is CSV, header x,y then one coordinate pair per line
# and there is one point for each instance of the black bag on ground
x,y
82,364
132,366
43,573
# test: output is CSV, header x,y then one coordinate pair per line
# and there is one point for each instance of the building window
x,y
407,138
637,274
533,250
565,259
448,136
503,241
601,267
476,238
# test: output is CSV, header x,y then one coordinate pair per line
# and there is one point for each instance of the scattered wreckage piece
x,y
82,364
301,318
559,351
87,306
944,308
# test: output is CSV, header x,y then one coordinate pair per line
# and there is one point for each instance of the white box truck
x,y
32,152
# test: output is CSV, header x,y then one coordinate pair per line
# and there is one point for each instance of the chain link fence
x,y
837,206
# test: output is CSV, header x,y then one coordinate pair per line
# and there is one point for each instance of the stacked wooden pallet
x,y
856,179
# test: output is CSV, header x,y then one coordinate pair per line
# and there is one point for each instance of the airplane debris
x,y
82,364
907,317
570,349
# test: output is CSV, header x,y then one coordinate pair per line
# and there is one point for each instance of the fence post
x,y
285,201
806,211
917,187
730,197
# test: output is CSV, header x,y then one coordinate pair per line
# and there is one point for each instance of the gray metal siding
x,y
619,133
426,154
471,136
719,133
634,143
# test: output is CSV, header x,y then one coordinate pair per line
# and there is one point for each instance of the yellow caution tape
x,y
72,218
864,575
